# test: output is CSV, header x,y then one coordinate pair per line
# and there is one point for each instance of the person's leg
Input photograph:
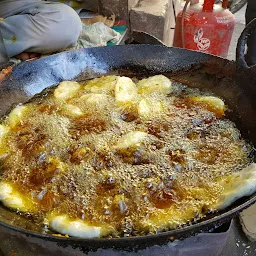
x,y
251,42
38,27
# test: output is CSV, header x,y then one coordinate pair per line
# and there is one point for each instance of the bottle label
x,y
203,44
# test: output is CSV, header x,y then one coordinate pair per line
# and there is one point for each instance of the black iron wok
x,y
235,82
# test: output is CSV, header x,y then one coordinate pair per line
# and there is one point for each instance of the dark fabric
x,y
251,43
3,54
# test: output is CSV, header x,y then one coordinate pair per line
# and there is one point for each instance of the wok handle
x,y
240,49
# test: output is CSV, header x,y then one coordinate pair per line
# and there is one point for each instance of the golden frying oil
x,y
70,165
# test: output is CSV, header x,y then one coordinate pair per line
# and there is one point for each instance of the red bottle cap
x,y
208,5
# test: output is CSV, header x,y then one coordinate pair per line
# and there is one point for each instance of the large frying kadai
x,y
234,82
